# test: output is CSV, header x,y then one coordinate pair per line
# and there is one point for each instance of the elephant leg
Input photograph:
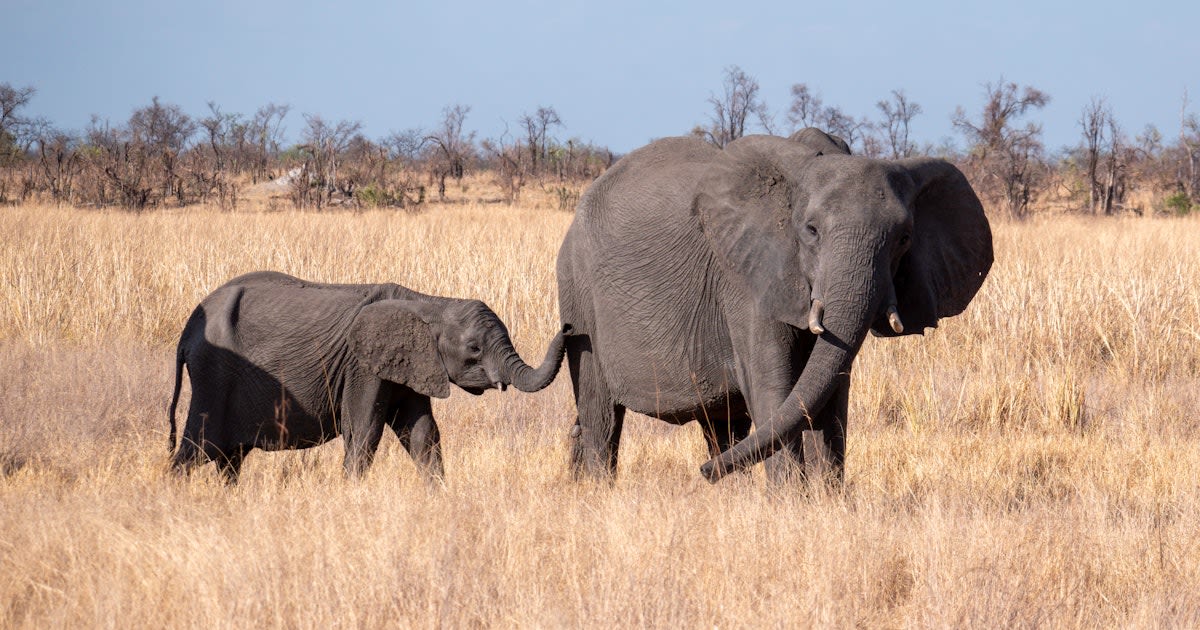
x,y
187,457
189,454
197,443
596,436
229,462
832,424
787,464
363,417
414,425
722,434
768,370
820,451
596,444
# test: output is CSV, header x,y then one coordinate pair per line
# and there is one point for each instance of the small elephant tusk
x,y
815,314
576,431
894,319
500,385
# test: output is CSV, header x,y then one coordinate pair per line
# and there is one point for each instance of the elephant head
x,y
839,245
428,345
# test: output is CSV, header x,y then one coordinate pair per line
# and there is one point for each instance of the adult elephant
x,y
737,284
276,362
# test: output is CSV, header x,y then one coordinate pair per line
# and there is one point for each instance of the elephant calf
x,y
276,362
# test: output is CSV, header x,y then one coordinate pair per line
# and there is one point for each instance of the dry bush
x,y
1030,463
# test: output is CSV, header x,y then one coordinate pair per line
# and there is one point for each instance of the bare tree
x,y
405,145
537,126
324,145
897,114
1005,158
58,160
508,161
452,147
117,166
854,132
1103,158
1116,171
806,108
16,136
264,133
733,109
12,100
215,163
365,164
1189,142
163,132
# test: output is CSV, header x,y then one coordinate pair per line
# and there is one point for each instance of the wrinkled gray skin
x,y
276,362
729,285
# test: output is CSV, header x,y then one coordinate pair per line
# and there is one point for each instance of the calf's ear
x,y
397,345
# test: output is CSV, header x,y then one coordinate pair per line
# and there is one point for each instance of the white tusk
x,y
894,319
814,317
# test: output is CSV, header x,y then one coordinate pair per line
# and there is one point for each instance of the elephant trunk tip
x,y
712,470
893,317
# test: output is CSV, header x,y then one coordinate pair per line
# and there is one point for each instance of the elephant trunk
x,y
529,379
844,326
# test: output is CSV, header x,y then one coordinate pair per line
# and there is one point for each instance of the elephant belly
x,y
666,354
718,410
239,401
282,418
676,382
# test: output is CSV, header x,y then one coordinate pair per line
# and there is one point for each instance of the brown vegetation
x,y
1030,463
162,157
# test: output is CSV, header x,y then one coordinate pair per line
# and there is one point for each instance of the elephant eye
x,y
811,229
474,349
906,239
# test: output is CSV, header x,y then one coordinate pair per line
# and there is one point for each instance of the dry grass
x,y
1032,463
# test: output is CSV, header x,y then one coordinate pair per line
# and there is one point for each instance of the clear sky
x,y
619,73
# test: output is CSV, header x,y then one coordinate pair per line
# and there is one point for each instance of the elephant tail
x,y
180,360
195,325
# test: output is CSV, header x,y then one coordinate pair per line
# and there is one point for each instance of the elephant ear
x,y
392,339
951,249
745,209
819,142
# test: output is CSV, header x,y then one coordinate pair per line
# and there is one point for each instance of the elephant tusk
x,y
815,314
894,319
500,385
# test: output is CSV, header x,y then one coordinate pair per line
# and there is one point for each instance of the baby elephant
x,y
276,362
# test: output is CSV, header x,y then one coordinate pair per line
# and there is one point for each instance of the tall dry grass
x,y
1032,463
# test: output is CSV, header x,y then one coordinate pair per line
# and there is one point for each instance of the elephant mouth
x,y
475,391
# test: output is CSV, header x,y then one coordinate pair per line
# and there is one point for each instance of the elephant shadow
x,y
239,406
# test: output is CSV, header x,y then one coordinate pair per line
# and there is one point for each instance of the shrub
x,y
1180,204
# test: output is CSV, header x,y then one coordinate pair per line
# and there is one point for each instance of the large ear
x,y
951,249
745,209
392,339
819,142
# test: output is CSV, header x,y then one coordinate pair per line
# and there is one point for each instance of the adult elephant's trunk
x,y
529,379
844,326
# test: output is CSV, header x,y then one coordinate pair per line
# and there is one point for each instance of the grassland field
x,y
1034,462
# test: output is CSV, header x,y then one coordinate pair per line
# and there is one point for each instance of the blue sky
x,y
618,73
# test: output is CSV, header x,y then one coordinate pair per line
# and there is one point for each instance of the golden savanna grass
x,y
1034,462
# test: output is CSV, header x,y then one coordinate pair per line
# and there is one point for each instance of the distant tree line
x,y
1004,158
163,156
